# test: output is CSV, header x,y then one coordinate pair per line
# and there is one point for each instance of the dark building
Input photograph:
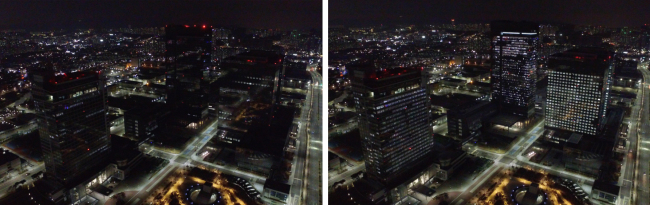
x,y
296,78
252,76
644,40
579,84
71,114
394,122
540,96
466,120
142,122
276,191
605,191
514,51
626,74
254,70
188,62
449,162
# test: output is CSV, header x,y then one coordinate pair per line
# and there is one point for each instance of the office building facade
x,y
393,110
513,77
71,116
579,84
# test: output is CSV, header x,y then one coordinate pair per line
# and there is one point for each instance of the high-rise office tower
x,y
254,75
514,51
71,114
188,61
393,110
579,84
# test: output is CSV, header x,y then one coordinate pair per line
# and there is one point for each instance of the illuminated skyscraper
x,y
393,110
579,84
71,114
514,46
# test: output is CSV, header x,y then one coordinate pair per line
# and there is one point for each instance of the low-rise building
x,y
466,120
605,192
585,154
277,192
141,122
449,162
626,74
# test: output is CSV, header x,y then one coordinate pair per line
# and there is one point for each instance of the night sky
x,y
611,13
37,15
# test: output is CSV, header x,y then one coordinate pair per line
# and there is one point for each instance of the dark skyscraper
x,y
514,51
71,114
579,84
393,111
188,61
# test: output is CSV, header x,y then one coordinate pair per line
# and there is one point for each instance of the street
x,y
510,158
315,151
305,180
635,178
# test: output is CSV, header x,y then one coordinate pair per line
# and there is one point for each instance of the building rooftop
x,y
590,61
372,76
496,27
621,72
256,57
47,80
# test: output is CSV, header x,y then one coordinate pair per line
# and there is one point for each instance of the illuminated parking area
x,y
184,187
510,185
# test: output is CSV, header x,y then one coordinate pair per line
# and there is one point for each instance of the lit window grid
x,y
406,114
574,102
514,76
